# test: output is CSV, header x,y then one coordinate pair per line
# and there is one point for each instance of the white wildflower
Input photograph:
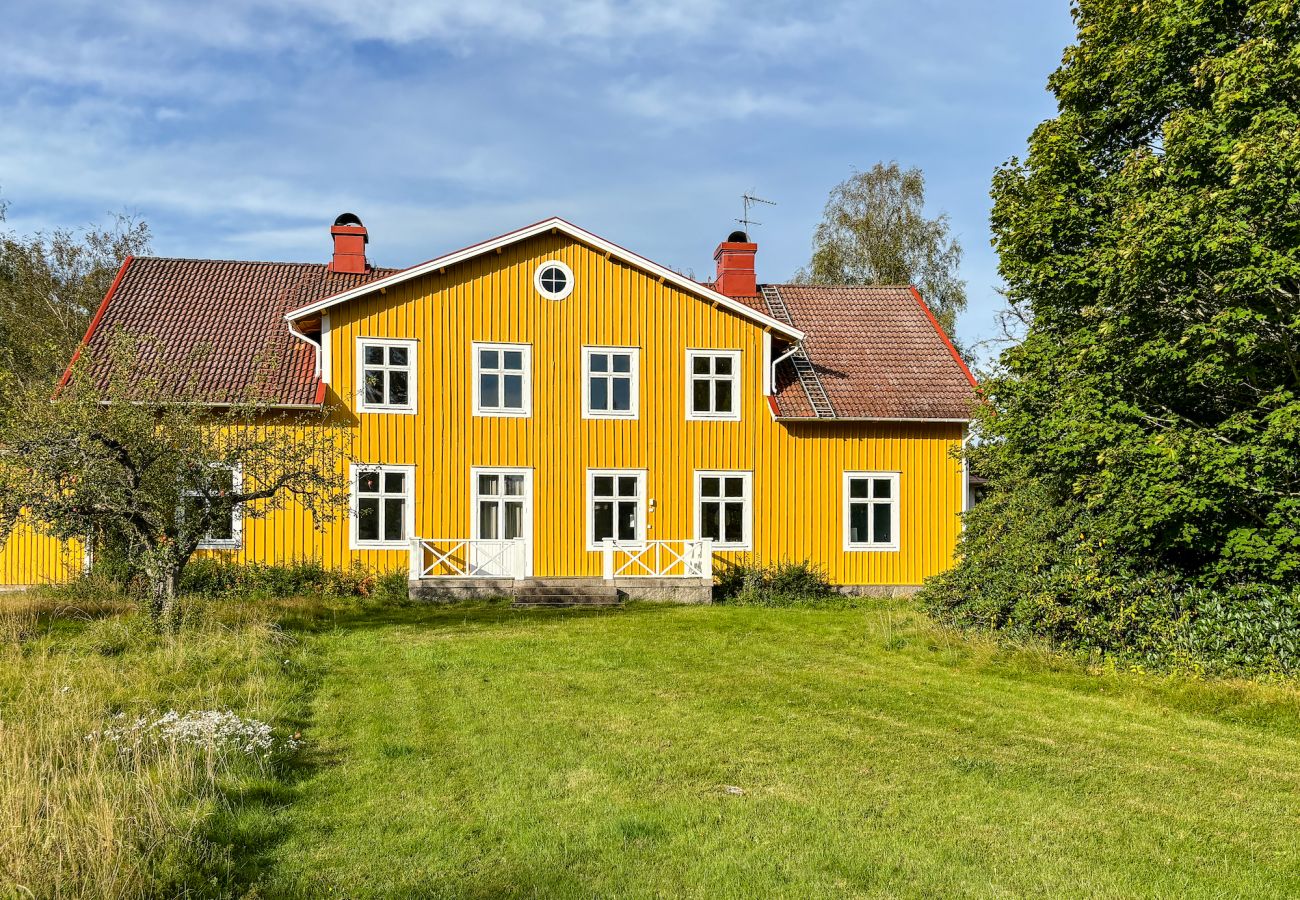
x,y
216,730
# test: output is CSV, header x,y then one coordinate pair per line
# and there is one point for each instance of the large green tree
x,y
874,230
1151,237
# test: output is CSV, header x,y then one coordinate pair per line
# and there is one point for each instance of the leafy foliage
x,y
218,578
874,231
1143,441
785,583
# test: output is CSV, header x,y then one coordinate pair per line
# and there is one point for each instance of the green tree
x,y
1151,241
874,230
50,285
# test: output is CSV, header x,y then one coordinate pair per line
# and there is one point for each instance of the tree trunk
x,y
162,595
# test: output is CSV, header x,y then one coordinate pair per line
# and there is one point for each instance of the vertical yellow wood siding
x,y
798,503
28,557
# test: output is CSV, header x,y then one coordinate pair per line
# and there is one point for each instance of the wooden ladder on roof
x,y
803,367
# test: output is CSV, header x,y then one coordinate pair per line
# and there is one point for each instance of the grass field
x,y
710,752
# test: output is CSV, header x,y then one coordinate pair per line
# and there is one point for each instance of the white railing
x,y
468,558
657,559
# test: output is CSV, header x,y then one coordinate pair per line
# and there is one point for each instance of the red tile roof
x,y
877,351
213,331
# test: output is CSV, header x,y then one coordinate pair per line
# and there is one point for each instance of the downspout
x,y
782,358
293,330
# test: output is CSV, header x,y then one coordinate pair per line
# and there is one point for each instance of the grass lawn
x,y
650,751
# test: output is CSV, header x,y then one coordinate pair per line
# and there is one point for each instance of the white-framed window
x,y
226,530
616,506
610,382
386,375
503,379
724,510
713,384
383,512
502,504
553,280
870,510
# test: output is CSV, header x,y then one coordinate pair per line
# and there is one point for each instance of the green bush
x,y
209,577
752,583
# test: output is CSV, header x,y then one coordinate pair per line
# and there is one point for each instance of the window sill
x,y
871,548
617,417
220,545
503,414
701,417
392,410
380,545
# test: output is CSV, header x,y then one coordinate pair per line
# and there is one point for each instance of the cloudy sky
x,y
240,129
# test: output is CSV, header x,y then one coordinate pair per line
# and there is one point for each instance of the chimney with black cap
x,y
350,239
735,258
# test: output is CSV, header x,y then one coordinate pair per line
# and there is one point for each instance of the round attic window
x,y
553,280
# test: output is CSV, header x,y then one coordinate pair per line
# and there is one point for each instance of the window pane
x,y
881,515
600,362
487,485
223,480
622,395
514,485
599,394
700,365
722,396
487,520
514,392
368,482
223,528
374,387
880,488
735,523
603,520
722,365
709,487
735,487
627,486
858,523
700,396
709,521
857,487
368,519
626,521
489,396
604,485
397,356
622,362
397,394
514,521
394,519
488,359
394,482
373,354
514,360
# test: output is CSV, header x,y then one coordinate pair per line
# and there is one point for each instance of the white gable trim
x,y
578,234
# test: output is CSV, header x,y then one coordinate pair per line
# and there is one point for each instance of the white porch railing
x,y
658,559
468,558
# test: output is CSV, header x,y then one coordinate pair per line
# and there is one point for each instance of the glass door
x,y
502,523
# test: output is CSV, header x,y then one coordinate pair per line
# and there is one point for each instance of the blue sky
x,y
240,129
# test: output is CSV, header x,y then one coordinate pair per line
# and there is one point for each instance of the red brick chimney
x,y
350,239
735,259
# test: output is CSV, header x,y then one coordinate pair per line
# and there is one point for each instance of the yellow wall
x,y
798,468
29,558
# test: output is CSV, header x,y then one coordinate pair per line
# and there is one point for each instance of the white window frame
x,y
412,373
408,527
501,412
642,504
545,292
634,376
236,540
691,414
747,498
895,502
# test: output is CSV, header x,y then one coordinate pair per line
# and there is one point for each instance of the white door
x,y
503,523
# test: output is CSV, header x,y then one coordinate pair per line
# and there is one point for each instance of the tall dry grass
x,y
79,815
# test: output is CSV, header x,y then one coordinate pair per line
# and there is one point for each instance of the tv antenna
x,y
749,200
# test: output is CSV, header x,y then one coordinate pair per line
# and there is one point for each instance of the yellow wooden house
x,y
547,411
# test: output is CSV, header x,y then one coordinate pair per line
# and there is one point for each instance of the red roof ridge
x,y
929,314
94,323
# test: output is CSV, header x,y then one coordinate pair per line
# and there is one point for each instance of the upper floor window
x,y
712,384
553,280
224,530
386,375
382,511
610,382
617,505
724,511
502,380
871,510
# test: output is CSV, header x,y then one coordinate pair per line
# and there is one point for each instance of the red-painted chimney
x,y
735,259
350,239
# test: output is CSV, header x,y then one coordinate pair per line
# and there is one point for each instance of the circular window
x,y
553,280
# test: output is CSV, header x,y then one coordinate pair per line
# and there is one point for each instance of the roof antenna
x,y
749,200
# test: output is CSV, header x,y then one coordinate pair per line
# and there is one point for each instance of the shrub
x,y
217,578
752,583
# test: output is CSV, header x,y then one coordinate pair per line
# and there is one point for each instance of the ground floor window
x,y
382,511
225,530
871,510
501,504
617,505
724,509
